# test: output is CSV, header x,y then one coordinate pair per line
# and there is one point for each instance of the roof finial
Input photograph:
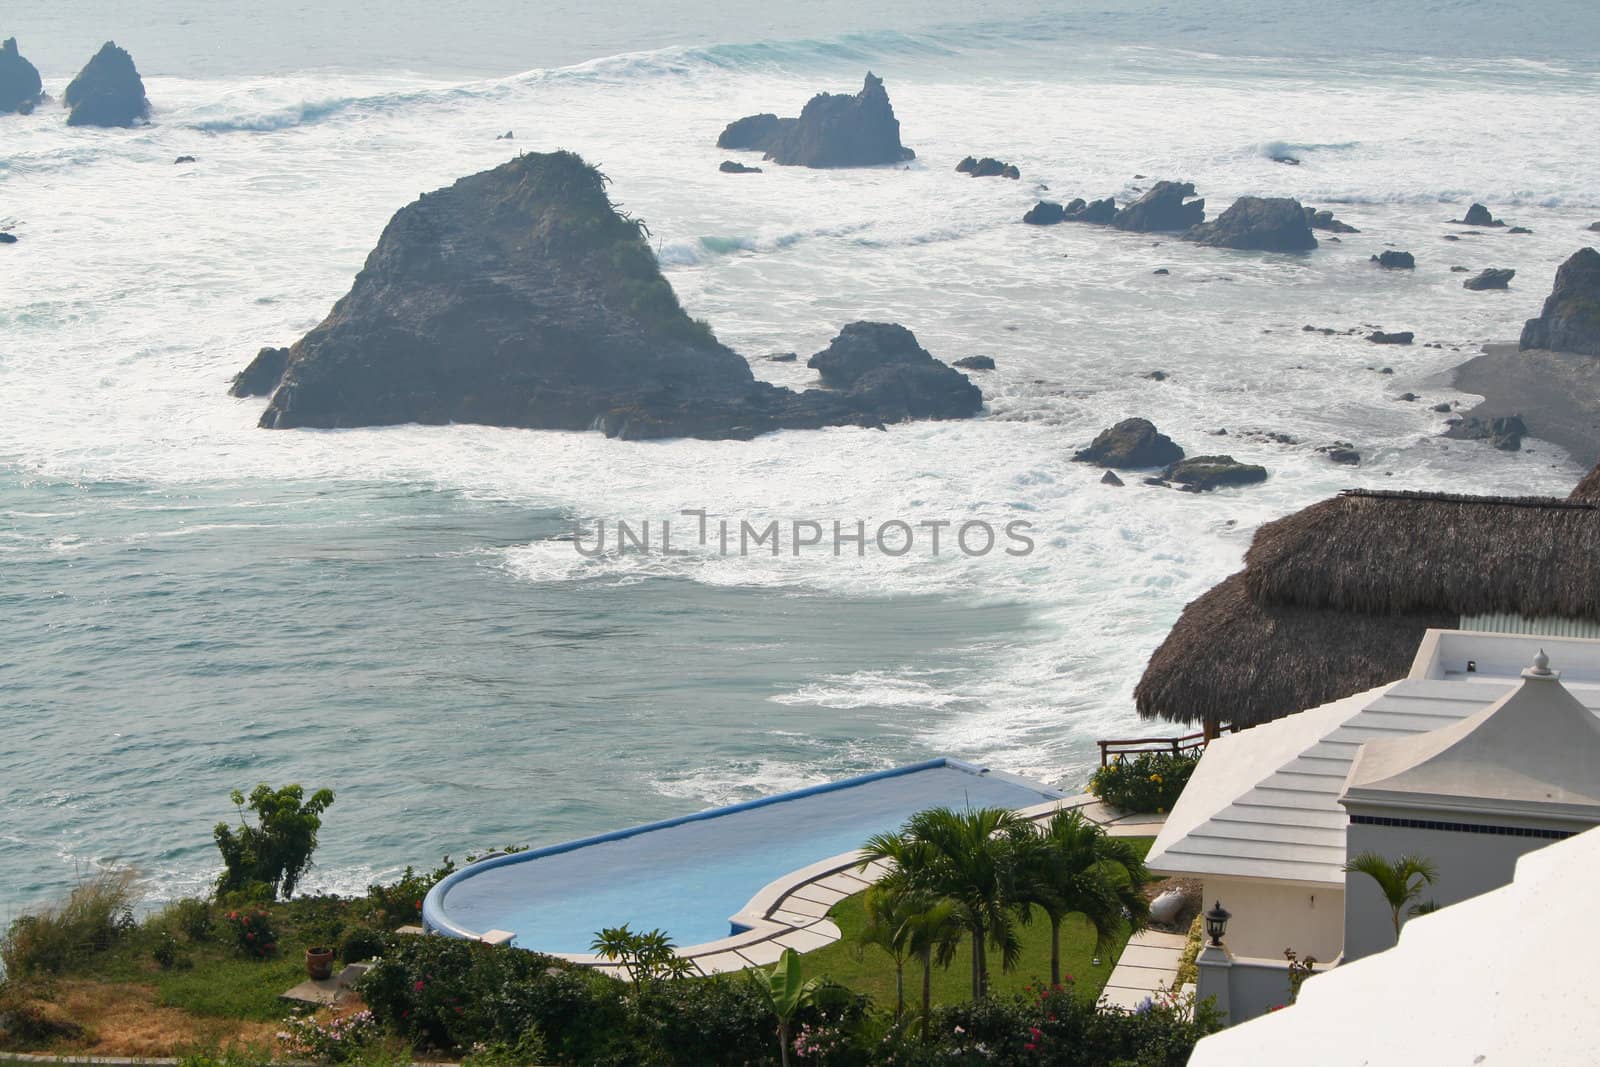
x,y
1541,664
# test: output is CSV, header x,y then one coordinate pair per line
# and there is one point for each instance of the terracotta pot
x,y
319,963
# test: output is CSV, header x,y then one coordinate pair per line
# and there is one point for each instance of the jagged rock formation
x,y
521,297
1478,215
1570,321
834,130
20,87
1162,209
1131,443
1324,220
1110,478
1201,474
1048,212
1395,260
1260,224
988,167
107,91
1490,278
1503,432
1403,337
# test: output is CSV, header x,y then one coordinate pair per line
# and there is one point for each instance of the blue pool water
x,y
688,876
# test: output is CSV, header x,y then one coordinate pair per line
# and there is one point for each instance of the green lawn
x,y
872,972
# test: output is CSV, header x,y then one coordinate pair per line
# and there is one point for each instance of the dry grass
x,y
128,1020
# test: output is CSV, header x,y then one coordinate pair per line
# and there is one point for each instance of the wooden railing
x,y
1138,746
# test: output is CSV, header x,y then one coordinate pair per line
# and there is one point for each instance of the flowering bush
x,y
339,1040
252,930
1147,783
395,904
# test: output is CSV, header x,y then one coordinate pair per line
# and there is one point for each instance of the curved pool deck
x,y
723,883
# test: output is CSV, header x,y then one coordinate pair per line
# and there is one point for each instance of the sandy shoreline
x,y
1556,393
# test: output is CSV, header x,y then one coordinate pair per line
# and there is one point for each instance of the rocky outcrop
x,y
1110,478
1258,224
1342,453
988,167
1478,215
20,87
1162,209
1503,432
521,297
1570,321
1048,212
107,91
7,237
183,159
1594,227
1201,474
1395,260
834,130
1490,278
1324,220
1404,337
975,363
1131,443
1045,213
730,166
262,375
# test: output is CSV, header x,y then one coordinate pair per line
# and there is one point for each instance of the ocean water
x,y
190,605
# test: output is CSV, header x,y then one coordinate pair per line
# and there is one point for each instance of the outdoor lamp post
x,y
1217,923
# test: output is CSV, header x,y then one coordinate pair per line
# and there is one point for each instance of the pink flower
x,y
418,986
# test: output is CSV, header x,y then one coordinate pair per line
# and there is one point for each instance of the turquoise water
x,y
691,878
189,605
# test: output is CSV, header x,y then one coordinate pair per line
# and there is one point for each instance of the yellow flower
x,y
1156,778
1161,811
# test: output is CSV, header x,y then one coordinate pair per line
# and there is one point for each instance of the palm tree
x,y
1075,868
970,859
1400,881
786,993
934,934
889,927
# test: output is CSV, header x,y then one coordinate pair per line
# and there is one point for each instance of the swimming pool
x,y
691,875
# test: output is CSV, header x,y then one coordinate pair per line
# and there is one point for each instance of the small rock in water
x,y
1395,260
1491,278
1386,370
730,166
975,363
1201,474
7,238
988,167
1594,227
183,159
1408,397
1161,270
509,135
1110,478
783,357
1519,229
1459,270
1342,452
1290,160
1443,409
1451,237
1378,337
1503,432
1131,443
1478,215
1157,376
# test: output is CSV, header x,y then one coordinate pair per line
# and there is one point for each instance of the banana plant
x,y
787,992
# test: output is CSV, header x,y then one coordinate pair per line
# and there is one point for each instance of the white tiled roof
x,y
1264,803
1502,978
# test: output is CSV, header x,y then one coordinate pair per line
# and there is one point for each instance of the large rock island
x,y
834,130
20,87
521,297
107,91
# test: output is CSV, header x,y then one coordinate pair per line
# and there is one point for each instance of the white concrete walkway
x,y
1148,965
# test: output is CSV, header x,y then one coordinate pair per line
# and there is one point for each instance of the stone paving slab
x,y
762,953
721,962
804,940
818,892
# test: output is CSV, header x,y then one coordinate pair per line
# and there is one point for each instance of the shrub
x,y
165,952
395,904
341,1039
361,943
29,1015
252,931
277,850
193,917
97,913
1148,783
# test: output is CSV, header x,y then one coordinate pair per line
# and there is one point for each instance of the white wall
x,y
1269,917
1468,863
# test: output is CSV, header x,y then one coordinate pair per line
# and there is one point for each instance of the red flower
x,y
418,986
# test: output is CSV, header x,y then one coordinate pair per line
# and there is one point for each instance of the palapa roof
x,y
1335,598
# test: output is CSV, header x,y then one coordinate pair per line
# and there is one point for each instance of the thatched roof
x,y
1589,488
1334,599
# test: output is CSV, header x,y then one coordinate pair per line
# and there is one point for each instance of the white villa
x,y
1488,749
